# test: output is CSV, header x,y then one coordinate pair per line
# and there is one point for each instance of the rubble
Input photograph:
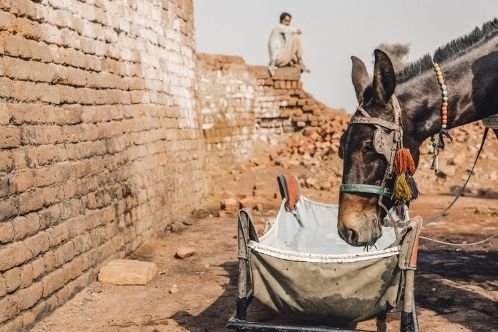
x,y
312,156
184,252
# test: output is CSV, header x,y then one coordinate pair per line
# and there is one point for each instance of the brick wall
x,y
100,142
241,103
227,93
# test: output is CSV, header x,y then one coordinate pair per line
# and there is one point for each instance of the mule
x,y
470,69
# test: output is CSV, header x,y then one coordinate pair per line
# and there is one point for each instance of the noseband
x,y
387,139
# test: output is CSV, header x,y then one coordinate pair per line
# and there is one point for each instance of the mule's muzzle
x,y
359,236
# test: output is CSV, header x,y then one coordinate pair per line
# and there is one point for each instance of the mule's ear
x,y
359,76
384,81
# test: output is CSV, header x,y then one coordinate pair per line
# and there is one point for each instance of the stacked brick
x,y
227,94
282,106
241,103
100,142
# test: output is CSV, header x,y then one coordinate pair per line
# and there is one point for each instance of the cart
x,y
301,268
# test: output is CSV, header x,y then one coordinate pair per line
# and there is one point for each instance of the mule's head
x,y
359,221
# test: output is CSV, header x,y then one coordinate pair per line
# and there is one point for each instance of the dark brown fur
x,y
471,75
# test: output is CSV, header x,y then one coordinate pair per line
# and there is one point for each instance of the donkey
x,y
404,108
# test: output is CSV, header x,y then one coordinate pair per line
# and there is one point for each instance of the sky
x,y
333,31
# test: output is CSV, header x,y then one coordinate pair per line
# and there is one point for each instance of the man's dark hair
x,y
284,15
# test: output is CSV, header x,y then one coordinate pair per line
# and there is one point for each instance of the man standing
x,y
285,46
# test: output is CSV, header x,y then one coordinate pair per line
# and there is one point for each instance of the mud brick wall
x,y
100,141
241,104
227,91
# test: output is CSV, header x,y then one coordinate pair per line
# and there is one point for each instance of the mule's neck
x,y
472,92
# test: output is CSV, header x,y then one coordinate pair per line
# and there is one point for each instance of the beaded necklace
x,y
443,132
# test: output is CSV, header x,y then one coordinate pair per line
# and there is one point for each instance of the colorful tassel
x,y
401,189
413,186
403,162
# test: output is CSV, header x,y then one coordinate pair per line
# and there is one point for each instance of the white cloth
x,y
279,35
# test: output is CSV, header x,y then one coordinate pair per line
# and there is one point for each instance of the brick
x,y
26,275
13,254
127,272
4,113
10,137
3,287
64,253
6,232
38,310
24,227
28,319
21,181
12,279
45,154
19,158
6,21
53,281
31,201
35,135
51,216
58,234
49,260
38,267
6,161
82,243
8,208
53,194
38,243
12,325
51,174
9,307
30,295
74,268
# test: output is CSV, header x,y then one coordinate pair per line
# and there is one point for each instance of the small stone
x,y
184,252
248,202
127,272
173,289
177,227
200,213
230,204
326,186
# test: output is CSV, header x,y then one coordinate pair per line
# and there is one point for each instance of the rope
x,y
458,244
440,214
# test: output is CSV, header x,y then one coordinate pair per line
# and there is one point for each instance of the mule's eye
x,y
367,147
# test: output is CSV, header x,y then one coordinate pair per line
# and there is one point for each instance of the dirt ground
x,y
456,287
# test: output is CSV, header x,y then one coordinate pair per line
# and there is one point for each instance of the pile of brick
x,y
313,144
312,154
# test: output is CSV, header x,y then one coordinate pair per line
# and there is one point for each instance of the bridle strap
x,y
395,126
365,189
376,121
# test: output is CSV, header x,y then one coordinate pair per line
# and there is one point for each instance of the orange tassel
x,y
403,162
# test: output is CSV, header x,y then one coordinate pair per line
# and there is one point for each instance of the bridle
x,y
387,138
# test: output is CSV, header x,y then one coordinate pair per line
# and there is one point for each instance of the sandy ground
x,y
456,288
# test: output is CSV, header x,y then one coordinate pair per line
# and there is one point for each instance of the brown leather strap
x,y
414,255
289,190
292,191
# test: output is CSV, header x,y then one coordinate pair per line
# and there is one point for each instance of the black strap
x,y
282,186
438,216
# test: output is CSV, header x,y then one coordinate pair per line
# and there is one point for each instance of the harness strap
x,y
365,188
376,121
